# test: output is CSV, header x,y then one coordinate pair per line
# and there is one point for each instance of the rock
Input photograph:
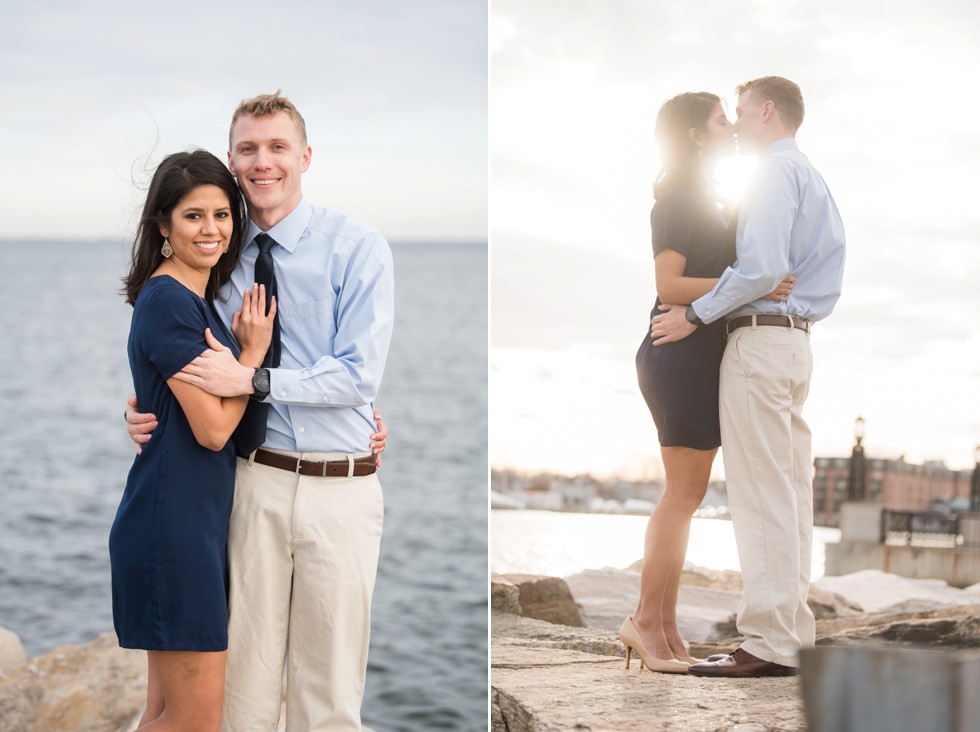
x,y
97,687
12,655
511,629
826,604
505,597
549,689
606,596
873,591
545,598
554,677
955,627
973,590
725,579
695,576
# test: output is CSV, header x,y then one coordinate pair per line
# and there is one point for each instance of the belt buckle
x,y
299,464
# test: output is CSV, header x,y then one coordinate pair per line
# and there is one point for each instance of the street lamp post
x,y
975,488
856,479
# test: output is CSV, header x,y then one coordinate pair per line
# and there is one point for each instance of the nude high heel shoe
x,y
687,658
630,638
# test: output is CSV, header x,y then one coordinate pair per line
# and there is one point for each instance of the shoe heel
x,y
628,651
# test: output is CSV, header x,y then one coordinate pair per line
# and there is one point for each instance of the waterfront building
x,y
894,484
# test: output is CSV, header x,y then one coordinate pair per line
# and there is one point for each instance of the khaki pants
x,y
765,378
303,555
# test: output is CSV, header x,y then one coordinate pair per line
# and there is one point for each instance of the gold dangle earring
x,y
166,250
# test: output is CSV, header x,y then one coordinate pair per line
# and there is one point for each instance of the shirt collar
x,y
787,143
287,232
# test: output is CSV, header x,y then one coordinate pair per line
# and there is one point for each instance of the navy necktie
x,y
250,432
265,274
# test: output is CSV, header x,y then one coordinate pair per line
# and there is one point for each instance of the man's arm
x,y
762,256
350,375
140,427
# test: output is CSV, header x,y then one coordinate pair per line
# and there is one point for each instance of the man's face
x,y
269,158
748,122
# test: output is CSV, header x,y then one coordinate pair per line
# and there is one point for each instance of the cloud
x,y
890,124
394,97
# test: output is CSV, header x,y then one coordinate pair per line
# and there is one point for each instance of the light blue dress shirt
x,y
788,224
336,310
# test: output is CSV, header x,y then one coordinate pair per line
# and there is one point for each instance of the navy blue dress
x,y
679,381
168,543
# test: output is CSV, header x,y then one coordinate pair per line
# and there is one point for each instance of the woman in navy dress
x,y
168,542
692,246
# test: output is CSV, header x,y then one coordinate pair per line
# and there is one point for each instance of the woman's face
x,y
718,138
200,228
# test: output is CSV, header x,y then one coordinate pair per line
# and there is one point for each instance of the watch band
x,y
692,317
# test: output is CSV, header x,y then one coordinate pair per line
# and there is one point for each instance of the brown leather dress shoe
x,y
741,665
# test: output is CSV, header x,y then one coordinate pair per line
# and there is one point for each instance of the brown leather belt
x,y
784,320
322,469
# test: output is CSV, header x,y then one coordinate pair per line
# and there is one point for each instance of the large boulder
x,y
949,627
825,604
537,690
505,597
97,687
544,598
12,655
606,596
873,591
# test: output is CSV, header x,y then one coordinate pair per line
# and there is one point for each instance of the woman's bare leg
x,y
669,607
154,694
687,474
193,685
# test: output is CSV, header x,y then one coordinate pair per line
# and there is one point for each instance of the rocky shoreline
x,y
95,687
557,663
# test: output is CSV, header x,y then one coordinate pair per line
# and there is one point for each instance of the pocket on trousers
x,y
741,356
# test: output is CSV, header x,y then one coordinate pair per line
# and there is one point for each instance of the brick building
x,y
896,484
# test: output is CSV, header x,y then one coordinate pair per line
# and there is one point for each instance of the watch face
x,y
260,382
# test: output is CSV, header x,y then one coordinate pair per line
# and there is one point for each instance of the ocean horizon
x,y
65,454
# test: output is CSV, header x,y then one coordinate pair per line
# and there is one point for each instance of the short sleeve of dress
x,y
672,221
172,324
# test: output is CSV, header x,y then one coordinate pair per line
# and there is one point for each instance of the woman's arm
x,y
212,419
672,286
676,289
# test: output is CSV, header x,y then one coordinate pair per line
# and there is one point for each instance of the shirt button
x,y
282,393
326,399
302,429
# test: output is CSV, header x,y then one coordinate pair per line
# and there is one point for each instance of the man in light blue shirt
x,y
788,225
305,528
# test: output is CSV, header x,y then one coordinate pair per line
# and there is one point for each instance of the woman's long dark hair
x,y
176,176
679,153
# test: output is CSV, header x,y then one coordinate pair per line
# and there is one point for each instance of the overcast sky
x,y
393,93
891,123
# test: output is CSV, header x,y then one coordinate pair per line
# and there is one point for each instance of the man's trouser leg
x,y
765,375
260,565
303,556
338,535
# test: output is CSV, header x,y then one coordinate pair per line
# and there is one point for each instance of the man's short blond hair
x,y
782,92
267,105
